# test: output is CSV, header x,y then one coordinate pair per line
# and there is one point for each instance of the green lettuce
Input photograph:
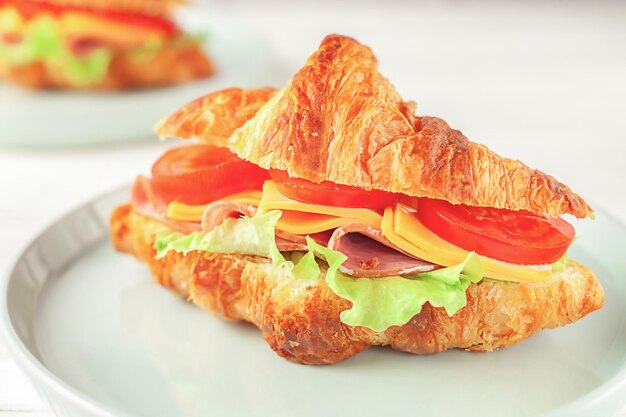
x,y
378,303
246,236
86,70
559,266
305,265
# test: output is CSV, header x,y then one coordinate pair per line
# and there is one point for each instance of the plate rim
x,y
36,371
32,367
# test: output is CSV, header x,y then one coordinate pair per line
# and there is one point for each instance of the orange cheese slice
x,y
245,197
302,223
274,200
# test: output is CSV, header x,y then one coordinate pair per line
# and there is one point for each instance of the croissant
x,y
133,58
340,120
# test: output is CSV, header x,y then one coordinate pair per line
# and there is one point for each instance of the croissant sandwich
x,y
334,218
97,44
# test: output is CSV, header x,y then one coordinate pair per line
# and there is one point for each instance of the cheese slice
x,y
302,223
404,230
245,197
274,200
181,211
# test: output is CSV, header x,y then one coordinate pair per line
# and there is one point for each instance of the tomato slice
x,y
330,194
200,174
29,8
519,237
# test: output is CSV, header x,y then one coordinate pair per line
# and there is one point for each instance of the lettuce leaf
x,y
378,303
89,69
246,236
305,266
559,266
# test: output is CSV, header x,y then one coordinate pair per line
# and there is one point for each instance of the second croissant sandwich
x,y
333,217
96,45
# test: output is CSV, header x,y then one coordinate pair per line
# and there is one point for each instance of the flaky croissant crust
x,y
299,318
216,115
340,120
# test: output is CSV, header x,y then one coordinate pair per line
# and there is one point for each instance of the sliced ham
x,y
321,238
370,254
289,242
285,245
218,211
146,203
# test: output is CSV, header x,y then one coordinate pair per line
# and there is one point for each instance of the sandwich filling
x,y
387,253
78,41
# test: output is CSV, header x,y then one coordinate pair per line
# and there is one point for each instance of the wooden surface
x,y
544,83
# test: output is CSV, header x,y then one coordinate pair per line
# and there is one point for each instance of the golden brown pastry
x,y
115,45
340,129
339,106
216,115
300,319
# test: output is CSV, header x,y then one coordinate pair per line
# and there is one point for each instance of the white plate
x,y
81,118
99,338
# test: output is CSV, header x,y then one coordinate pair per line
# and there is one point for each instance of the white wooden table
x,y
543,83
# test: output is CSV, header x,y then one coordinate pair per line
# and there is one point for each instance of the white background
x,y
542,82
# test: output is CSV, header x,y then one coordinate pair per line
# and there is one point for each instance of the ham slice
x,y
285,245
146,203
218,211
321,238
370,254
289,242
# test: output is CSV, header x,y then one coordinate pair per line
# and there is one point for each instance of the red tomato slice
x,y
30,8
519,237
330,194
200,174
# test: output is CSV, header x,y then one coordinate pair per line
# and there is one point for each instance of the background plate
x,y
58,118
99,338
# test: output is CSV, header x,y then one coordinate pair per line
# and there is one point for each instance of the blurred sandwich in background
x,y
96,44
